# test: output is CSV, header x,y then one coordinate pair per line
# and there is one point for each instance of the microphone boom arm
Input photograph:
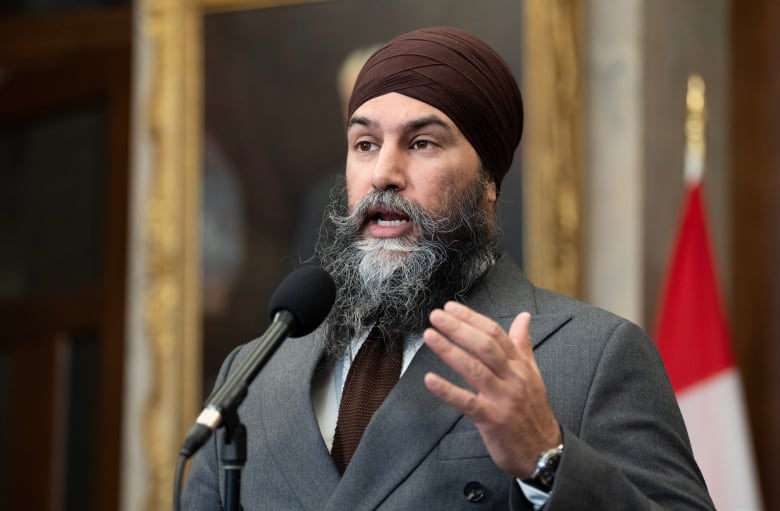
x,y
227,398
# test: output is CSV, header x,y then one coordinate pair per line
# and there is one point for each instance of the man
x,y
509,397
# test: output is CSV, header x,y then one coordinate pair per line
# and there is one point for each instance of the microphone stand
x,y
222,412
233,457
291,316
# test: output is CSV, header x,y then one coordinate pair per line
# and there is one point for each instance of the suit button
x,y
473,491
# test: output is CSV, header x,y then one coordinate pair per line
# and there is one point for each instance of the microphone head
x,y
308,294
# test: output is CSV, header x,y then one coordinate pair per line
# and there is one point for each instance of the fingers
x,y
478,373
473,332
459,398
476,346
519,333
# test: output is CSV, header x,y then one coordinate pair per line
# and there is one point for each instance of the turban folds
x,y
458,74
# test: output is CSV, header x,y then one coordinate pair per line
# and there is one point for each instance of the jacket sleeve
x,y
629,449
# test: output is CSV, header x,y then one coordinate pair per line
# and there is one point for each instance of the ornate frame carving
x,y
171,32
552,161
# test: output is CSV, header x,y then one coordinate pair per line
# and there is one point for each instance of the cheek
x,y
436,199
440,187
356,188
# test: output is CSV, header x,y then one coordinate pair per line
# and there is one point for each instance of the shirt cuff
x,y
535,496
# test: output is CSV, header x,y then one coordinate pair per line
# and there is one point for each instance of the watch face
x,y
546,475
546,467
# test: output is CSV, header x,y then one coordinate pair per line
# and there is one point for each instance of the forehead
x,y
394,110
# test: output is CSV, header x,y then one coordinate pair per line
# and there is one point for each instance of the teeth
x,y
390,223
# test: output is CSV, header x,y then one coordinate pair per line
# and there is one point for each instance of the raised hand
x,y
510,407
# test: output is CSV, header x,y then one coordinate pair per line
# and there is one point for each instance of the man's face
x,y
413,227
396,142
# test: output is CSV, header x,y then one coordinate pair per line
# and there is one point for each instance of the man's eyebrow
x,y
414,124
360,121
423,122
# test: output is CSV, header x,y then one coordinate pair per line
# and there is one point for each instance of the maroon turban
x,y
458,74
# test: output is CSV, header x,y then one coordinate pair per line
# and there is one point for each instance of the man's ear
x,y
492,192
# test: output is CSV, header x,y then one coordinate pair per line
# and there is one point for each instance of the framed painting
x,y
246,133
273,139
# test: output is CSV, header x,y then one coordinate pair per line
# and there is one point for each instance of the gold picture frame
x,y
171,35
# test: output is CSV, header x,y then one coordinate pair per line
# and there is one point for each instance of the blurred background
x,y
144,214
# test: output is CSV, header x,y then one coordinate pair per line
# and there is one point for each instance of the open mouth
x,y
386,218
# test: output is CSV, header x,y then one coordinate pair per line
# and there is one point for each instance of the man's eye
x,y
421,144
364,146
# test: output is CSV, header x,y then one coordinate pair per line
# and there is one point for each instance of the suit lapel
x,y
403,431
286,412
505,292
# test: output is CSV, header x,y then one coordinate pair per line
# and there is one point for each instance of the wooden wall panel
x,y
755,192
77,59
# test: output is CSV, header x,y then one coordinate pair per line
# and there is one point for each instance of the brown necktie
x,y
374,371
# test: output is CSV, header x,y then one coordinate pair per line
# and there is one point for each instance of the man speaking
x,y
442,378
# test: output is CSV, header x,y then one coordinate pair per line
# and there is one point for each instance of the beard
x,y
392,284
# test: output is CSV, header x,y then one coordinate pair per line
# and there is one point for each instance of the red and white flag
x,y
694,342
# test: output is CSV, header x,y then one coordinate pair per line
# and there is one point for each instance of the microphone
x,y
298,306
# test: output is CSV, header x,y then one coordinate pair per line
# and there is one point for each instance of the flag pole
x,y
695,125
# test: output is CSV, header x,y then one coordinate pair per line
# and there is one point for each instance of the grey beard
x,y
394,284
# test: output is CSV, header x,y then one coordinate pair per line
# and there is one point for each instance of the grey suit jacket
x,y
625,442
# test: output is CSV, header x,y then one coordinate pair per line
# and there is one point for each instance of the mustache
x,y
380,202
383,201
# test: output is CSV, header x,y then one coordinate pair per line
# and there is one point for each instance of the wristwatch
x,y
546,465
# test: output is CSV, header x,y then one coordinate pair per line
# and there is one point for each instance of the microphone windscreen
x,y
308,294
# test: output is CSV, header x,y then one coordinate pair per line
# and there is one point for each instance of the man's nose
x,y
390,169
